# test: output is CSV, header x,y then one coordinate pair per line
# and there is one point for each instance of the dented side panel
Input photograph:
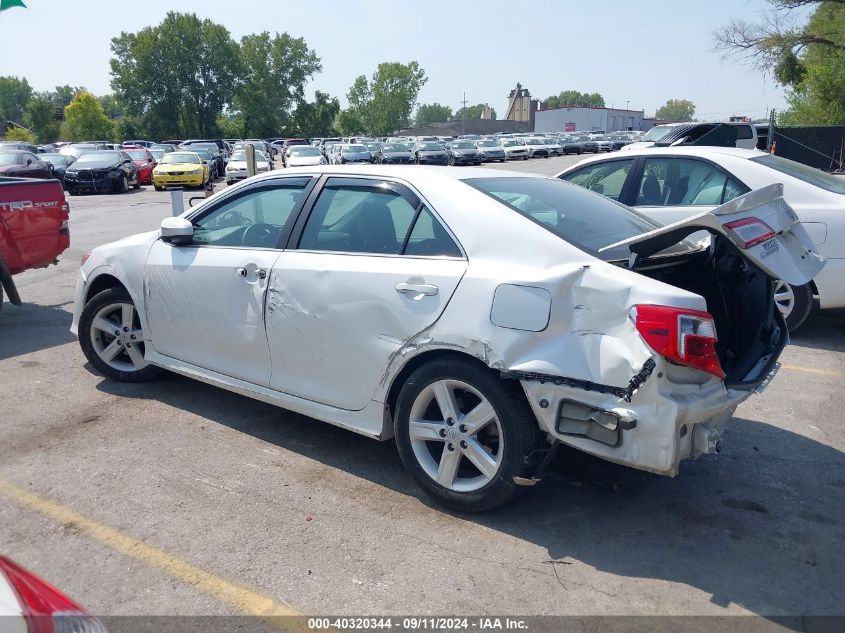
x,y
334,320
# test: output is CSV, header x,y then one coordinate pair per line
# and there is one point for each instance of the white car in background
x,y
481,317
554,145
305,156
673,183
515,148
236,168
746,134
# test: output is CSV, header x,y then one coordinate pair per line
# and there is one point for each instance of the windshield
x,y
462,145
9,159
157,153
98,157
54,158
657,132
136,154
534,141
488,144
304,150
511,143
811,175
180,157
394,147
587,220
353,149
430,147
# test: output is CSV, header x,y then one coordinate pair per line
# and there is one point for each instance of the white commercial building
x,y
586,119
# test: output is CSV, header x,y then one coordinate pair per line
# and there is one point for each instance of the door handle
x,y
428,290
260,273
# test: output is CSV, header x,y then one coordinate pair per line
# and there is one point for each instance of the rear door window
x,y
607,178
685,182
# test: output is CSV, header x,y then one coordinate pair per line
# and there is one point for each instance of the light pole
x,y
627,103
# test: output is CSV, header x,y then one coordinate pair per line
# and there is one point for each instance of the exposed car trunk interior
x,y
740,297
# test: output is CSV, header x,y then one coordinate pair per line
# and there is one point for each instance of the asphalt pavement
x,y
174,497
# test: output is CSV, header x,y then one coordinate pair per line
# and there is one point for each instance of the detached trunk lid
x,y
760,224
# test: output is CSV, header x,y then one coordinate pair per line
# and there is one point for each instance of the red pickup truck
x,y
33,228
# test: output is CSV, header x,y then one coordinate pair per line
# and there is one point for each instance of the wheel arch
x,y
102,282
412,365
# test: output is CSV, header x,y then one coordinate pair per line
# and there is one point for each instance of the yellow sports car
x,y
180,169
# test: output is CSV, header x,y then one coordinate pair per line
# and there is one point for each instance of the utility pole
x,y
771,136
627,104
463,112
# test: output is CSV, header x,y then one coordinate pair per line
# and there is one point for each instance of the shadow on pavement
x,y
759,526
32,327
823,329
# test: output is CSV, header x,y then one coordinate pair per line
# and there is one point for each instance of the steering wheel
x,y
260,235
229,219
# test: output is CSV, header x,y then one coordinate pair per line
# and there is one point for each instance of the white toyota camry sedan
x,y
480,317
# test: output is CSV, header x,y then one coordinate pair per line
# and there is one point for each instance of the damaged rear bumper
x,y
674,414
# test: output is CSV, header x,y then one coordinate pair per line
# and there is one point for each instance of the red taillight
x,y
685,336
749,231
45,608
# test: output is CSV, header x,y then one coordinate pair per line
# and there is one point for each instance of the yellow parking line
x,y
241,598
813,370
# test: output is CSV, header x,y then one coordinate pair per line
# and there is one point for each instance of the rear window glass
x,y
834,184
582,218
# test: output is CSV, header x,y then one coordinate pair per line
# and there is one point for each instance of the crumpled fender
x,y
589,335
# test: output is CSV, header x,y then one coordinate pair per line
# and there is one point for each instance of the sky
x,y
636,54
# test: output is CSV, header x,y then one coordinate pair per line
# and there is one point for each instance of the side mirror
x,y
177,231
28,162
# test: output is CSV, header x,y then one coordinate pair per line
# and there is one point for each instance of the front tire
x,y
463,434
112,339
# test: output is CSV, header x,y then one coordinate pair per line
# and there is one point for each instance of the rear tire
x,y
116,353
794,302
490,424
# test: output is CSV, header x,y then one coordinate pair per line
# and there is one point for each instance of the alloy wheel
x,y
117,337
456,435
784,298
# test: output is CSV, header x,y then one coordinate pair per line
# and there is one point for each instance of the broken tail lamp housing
x,y
685,336
749,232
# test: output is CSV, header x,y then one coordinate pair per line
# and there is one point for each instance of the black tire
x,y
519,429
123,187
137,184
97,302
157,188
802,306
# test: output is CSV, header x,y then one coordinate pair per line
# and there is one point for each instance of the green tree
x,y
274,70
85,119
20,134
111,106
63,95
40,117
676,110
574,98
473,112
349,123
384,103
428,113
176,76
315,118
779,40
15,93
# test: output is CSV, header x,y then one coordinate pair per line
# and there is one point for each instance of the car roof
x,y
701,151
420,174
